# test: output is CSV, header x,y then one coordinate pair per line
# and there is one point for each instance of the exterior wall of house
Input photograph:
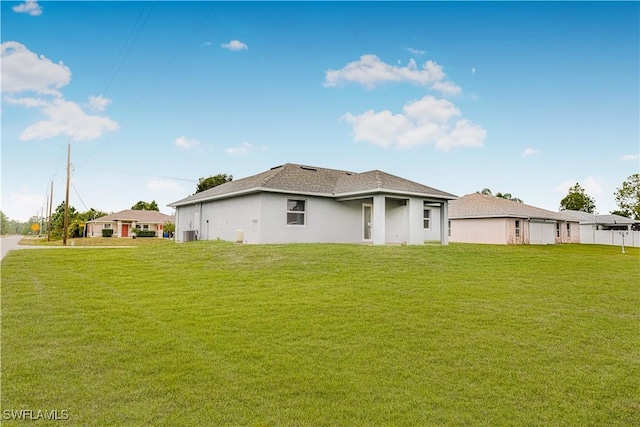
x,y
221,219
396,221
433,232
479,230
519,236
326,220
570,234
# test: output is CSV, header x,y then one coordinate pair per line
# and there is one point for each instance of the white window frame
x,y
426,218
517,228
145,227
449,228
568,230
107,225
303,212
557,230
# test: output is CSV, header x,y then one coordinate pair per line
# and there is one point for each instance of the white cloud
x,y
243,148
98,103
591,184
473,70
207,43
29,6
446,88
156,184
530,152
415,51
630,157
67,118
185,142
23,70
27,101
369,70
235,45
425,121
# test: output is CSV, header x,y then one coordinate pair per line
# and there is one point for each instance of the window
x,y
107,226
449,228
145,227
568,230
427,219
557,229
517,228
296,211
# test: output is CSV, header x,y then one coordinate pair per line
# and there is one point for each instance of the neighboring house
x,y
480,218
605,229
122,223
305,204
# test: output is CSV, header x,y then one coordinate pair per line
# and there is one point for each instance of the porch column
x,y
119,228
379,220
416,223
444,223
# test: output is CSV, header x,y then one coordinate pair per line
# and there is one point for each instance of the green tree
x,y
578,200
628,197
4,224
57,221
144,206
212,181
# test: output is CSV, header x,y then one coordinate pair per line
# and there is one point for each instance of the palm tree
x,y
507,196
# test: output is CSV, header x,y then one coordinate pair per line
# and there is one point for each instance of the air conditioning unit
x,y
189,235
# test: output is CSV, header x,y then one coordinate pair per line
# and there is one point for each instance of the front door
x,y
125,230
367,220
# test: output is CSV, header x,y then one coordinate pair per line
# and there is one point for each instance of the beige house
x,y
480,218
124,222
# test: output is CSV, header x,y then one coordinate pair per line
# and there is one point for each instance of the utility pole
x,y
66,200
49,222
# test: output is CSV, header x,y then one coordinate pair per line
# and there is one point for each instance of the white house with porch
x,y
123,223
306,204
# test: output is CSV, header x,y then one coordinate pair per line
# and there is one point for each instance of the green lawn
x,y
211,333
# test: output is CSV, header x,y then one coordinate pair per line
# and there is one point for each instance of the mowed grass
x,y
212,333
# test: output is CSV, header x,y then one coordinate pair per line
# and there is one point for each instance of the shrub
x,y
145,233
107,232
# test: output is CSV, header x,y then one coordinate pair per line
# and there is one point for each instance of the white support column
x,y
119,228
416,223
379,220
444,223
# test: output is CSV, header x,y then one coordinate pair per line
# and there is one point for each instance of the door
x,y
125,230
367,220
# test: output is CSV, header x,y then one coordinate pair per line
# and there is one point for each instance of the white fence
x,y
610,237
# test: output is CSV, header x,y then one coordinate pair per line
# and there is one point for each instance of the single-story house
x,y
605,229
480,218
293,203
122,223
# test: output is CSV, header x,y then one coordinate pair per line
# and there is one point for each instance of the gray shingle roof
x,y
587,218
478,205
150,217
313,180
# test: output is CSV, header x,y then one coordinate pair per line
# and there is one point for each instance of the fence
x,y
610,237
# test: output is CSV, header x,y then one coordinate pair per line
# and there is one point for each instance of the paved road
x,y
10,243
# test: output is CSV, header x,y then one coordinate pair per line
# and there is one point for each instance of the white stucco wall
x,y
433,233
396,221
326,220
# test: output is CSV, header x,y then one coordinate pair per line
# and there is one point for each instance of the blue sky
x,y
526,98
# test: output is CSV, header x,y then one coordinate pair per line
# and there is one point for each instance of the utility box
x,y
239,236
189,236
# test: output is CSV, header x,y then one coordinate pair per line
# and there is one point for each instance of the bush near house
x,y
107,232
145,233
